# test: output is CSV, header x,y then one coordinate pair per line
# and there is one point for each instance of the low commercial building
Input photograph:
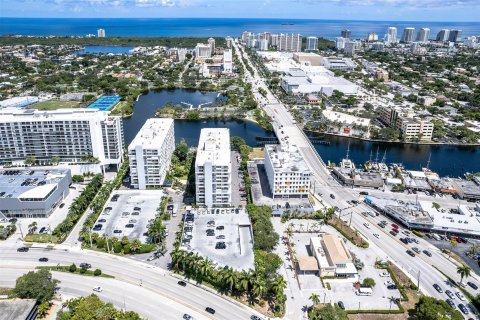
x,y
213,168
18,309
345,124
32,193
403,120
352,177
336,63
18,102
466,189
150,153
287,172
332,256
305,58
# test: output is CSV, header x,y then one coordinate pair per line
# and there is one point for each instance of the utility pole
x,y
418,281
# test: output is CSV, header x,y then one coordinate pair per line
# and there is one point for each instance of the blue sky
x,y
398,10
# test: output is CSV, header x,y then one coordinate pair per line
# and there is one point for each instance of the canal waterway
x,y
446,160
104,50
148,103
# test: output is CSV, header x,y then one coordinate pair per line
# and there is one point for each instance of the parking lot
x,y
129,215
224,238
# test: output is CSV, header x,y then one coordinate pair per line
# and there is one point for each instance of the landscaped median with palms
x,y
262,288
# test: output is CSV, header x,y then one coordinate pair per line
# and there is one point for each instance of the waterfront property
x,y
150,153
72,135
403,120
32,193
213,168
287,172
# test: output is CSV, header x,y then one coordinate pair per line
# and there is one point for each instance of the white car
x,y
384,274
97,289
376,235
460,296
389,282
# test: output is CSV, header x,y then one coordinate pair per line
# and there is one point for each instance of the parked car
x,y
22,249
437,287
472,285
42,230
460,296
332,196
220,228
462,308
97,289
137,208
363,193
129,225
182,283
410,253
450,302
221,237
102,220
450,294
117,231
392,287
220,245
187,317
416,249
341,305
85,265
254,317
210,310
427,253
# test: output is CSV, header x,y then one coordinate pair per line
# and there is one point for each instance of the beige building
x,y
311,59
381,74
403,120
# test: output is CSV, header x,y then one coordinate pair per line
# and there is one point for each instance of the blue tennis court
x,y
105,103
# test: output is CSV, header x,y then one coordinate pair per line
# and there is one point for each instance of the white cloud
x,y
154,3
400,3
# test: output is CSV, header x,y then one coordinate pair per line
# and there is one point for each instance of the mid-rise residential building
x,y
443,35
292,43
70,134
262,45
203,51
227,61
288,173
347,34
211,44
404,121
372,36
350,47
455,35
150,153
312,44
213,168
408,34
274,40
229,42
423,35
340,43
245,36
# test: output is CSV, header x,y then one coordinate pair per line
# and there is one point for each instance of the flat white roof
x,y
152,134
214,147
345,118
39,192
286,158
19,114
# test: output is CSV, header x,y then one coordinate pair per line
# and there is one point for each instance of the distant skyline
x,y
376,10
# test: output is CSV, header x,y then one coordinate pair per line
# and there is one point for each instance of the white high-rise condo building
x,y
70,134
274,40
213,168
455,35
262,45
443,35
407,35
150,153
296,43
350,47
292,43
211,43
101,33
229,42
312,44
391,36
423,35
227,61
245,36
346,34
340,43
203,51
288,173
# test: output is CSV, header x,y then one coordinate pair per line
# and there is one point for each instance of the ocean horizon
x,y
216,27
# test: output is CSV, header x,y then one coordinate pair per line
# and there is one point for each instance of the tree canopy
x,y
36,285
428,308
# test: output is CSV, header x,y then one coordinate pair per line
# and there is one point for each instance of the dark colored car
x,y
364,193
129,225
427,253
137,208
117,231
254,317
210,310
450,303
332,196
220,245
22,249
220,228
43,259
462,307
42,230
85,265
392,287
182,283
437,287
405,241
62,205
341,305
410,253
102,220
472,285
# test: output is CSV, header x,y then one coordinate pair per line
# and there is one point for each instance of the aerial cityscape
x,y
239,160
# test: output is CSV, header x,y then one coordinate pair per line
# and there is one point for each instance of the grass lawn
x,y
88,272
256,153
54,104
122,108
43,238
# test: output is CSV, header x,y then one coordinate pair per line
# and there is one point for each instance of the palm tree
x,y
124,240
464,272
474,247
178,256
315,299
243,281
229,277
205,268
259,287
135,245
32,227
278,284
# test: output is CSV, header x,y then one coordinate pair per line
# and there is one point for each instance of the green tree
x,y
181,150
368,282
97,272
55,159
32,227
435,205
72,268
77,178
236,142
464,272
428,308
43,309
30,160
135,245
36,285
329,312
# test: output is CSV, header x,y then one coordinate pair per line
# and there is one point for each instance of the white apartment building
x,y
423,35
101,33
312,44
229,42
150,153
211,43
203,51
287,172
69,134
403,120
227,61
292,43
213,168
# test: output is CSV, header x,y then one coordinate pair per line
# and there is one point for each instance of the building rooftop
x,y
345,118
469,188
152,134
18,183
307,263
16,309
286,158
214,147
336,250
18,114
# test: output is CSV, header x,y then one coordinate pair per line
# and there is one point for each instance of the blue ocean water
x,y
203,27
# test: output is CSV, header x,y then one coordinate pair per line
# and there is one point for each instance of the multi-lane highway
x,y
128,274
386,246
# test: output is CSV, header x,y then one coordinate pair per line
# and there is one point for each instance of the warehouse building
x,y
32,193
